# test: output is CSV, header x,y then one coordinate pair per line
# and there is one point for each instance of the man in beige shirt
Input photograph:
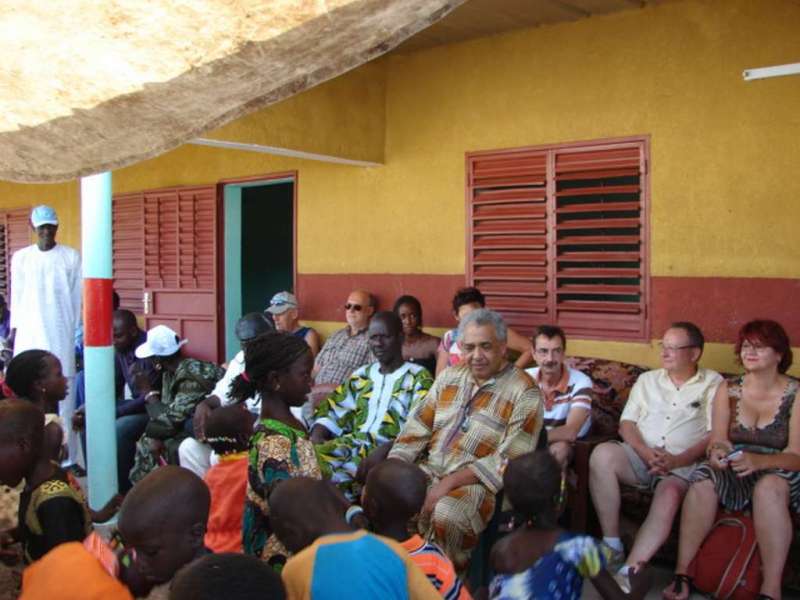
x,y
664,428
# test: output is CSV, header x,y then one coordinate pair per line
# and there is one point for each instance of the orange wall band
x,y
718,305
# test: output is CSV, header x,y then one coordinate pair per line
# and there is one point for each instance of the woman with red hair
x,y
753,457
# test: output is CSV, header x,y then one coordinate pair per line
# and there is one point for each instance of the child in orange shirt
x,y
228,431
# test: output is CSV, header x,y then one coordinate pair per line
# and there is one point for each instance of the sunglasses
x,y
355,307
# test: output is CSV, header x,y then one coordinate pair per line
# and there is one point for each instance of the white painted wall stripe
x,y
282,152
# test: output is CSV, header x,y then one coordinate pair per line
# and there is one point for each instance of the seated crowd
x,y
371,466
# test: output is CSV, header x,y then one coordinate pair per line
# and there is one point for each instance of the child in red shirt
x,y
228,431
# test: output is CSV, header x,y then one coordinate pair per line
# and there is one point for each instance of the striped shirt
x,y
574,390
437,567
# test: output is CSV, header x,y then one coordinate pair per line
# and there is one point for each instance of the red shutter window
x,y
589,273
179,226
128,250
508,234
15,234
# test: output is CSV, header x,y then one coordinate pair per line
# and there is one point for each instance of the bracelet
x,y
351,513
149,394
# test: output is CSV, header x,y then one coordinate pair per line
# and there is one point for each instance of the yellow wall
x,y
344,117
724,151
724,202
63,197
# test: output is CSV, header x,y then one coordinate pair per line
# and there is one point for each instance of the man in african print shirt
x,y
478,415
370,408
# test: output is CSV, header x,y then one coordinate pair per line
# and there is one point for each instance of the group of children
x,y
179,537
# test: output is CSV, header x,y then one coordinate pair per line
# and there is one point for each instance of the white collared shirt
x,y
670,417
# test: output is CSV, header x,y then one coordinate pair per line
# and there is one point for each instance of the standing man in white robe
x,y
46,289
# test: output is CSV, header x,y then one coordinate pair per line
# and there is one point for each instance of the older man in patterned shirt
x,y
477,416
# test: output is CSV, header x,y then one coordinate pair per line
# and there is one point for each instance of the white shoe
x,y
623,579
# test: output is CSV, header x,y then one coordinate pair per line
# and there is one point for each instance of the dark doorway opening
x,y
267,243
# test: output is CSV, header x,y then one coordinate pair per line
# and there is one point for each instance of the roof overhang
x,y
89,86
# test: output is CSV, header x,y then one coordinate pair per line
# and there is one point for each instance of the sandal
x,y
677,584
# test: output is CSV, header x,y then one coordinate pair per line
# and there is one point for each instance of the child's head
x,y
230,576
302,509
37,376
534,485
276,364
394,493
228,429
21,437
163,519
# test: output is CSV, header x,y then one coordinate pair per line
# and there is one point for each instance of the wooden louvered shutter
x,y
180,265
508,235
558,235
128,250
16,233
600,268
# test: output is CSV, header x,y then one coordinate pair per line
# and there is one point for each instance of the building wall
x,y
724,203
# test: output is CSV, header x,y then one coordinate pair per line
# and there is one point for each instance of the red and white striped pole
x,y
101,439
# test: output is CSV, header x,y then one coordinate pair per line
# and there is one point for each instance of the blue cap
x,y
44,215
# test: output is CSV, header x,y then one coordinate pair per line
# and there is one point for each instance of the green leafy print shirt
x,y
374,403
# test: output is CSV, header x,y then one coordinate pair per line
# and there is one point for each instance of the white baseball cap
x,y
281,302
161,341
44,215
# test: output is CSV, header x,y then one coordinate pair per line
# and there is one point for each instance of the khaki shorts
x,y
642,471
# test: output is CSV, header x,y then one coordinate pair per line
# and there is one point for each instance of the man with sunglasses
x,y
347,349
664,428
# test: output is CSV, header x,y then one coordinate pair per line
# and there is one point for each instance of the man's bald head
x,y
302,509
359,308
164,517
172,488
21,436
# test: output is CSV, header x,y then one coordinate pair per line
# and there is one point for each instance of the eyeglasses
x,y
674,349
355,307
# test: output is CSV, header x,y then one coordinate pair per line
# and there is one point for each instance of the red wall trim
x,y
98,302
322,297
721,305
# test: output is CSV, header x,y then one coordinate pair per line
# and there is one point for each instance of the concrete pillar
x,y
101,439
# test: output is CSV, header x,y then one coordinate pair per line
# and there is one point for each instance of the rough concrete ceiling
x,y
87,86
478,18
